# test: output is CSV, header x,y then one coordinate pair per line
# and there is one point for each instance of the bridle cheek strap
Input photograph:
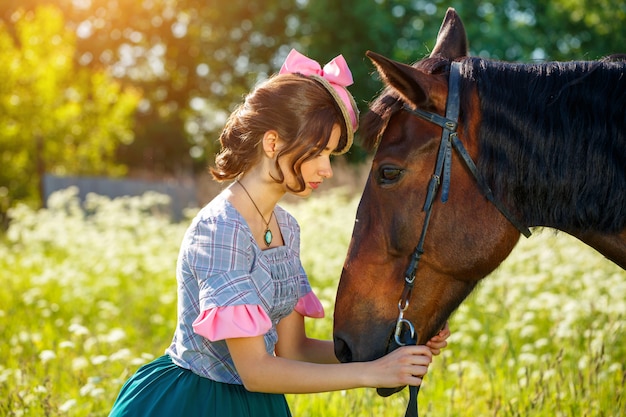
x,y
449,140
441,177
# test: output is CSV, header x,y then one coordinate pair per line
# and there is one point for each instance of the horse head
x,y
549,140
467,236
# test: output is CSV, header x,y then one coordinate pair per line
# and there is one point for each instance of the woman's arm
x,y
263,372
293,342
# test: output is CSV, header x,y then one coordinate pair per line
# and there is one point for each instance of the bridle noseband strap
x,y
441,177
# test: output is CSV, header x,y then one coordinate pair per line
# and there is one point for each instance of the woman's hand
x,y
404,366
438,341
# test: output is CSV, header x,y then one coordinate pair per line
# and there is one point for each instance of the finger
x,y
437,344
412,372
419,371
441,336
445,331
416,350
436,339
414,381
422,359
437,347
408,365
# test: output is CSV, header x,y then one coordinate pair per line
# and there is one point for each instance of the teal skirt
x,y
161,388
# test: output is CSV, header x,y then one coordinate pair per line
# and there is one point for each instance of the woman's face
x,y
316,170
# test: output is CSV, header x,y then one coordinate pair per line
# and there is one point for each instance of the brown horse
x,y
549,141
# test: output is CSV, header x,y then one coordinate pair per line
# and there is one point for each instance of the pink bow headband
x,y
336,77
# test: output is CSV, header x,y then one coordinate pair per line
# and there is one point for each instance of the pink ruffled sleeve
x,y
310,306
226,322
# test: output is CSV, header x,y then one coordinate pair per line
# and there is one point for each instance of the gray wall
x,y
182,195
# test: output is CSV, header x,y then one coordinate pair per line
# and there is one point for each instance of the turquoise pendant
x,y
267,237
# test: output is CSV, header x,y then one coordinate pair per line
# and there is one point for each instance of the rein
x,y
405,331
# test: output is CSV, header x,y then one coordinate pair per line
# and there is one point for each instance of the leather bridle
x,y
405,331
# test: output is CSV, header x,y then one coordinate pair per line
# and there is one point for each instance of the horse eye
x,y
389,175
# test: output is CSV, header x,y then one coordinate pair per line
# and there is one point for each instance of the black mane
x,y
552,137
553,140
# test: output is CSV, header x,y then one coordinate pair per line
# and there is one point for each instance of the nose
x,y
342,350
325,169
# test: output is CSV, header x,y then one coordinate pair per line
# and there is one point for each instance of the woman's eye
x,y
389,175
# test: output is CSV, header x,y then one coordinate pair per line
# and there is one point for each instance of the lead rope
x,y
411,407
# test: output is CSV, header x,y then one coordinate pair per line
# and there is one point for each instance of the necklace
x,y
267,236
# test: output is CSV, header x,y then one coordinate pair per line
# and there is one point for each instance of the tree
x,y
193,60
55,117
517,30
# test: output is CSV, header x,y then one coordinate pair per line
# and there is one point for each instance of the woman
x,y
240,342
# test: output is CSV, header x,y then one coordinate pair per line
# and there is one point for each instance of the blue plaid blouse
x,y
220,264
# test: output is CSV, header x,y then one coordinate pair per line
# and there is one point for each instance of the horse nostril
x,y
342,351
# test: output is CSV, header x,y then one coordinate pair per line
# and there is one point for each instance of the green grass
x,y
89,295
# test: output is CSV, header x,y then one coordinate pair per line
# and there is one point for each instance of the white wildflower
x,y
121,354
539,343
40,389
78,329
67,344
86,389
528,331
527,358
79,363
115,335
99,359
65,407
549,374
47,355
96,392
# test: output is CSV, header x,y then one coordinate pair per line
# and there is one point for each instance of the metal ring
x,y
399,324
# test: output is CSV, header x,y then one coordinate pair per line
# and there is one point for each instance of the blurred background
x,y
119,97
132,94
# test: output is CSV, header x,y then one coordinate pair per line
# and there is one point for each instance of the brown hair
x,y
298,108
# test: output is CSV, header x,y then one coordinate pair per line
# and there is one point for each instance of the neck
x,y
260,193
262,227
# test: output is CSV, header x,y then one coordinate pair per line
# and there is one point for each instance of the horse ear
x,y
452,38
413,85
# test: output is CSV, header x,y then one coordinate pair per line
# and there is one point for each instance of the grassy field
x,y
88,295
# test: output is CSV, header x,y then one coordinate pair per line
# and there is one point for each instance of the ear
x,y
413,85
270,143
452,38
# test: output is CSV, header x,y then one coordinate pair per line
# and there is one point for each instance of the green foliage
x,y
406,30
55,117
89,295
194,60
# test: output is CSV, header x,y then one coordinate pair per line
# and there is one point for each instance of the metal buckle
x,y
401,322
